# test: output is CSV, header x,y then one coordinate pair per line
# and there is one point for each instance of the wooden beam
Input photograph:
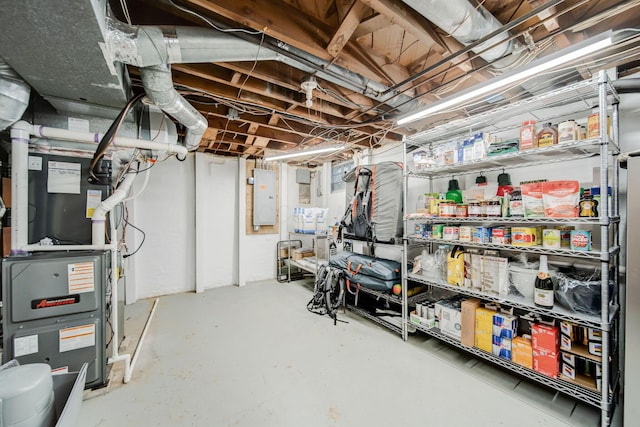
x,y
370,25
348,25
255,86
407,19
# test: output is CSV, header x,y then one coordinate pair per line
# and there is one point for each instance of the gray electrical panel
x,y
54,311
264,197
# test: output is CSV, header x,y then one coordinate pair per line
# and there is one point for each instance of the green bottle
x,y
454,194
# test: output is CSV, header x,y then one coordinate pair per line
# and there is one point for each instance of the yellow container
x,y
526,236
484,329
455,266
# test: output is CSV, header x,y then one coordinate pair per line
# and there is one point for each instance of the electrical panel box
x,y
264,197
55,311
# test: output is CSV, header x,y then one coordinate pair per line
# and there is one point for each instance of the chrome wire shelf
x,y
397,328
536,156
591,397
510,220
596,255
524,304
389,297
581,97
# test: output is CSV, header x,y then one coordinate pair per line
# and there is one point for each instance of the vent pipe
x,y
153,48
14,96
466,23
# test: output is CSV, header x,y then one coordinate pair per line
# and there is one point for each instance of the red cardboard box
x,y
545,337
547,363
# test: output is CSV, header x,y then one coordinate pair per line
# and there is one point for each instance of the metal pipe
x,y
147,46
14,96
158,85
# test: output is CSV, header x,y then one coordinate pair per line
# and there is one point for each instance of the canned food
x,y
451,233
437,230
551,238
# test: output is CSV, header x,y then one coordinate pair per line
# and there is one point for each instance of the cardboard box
x,y
546,362
595,348
495,275
422,321
501,347
484,329
594,334
505,325
581,370
522,352
545,337
468,310
465,233
449,318
481,234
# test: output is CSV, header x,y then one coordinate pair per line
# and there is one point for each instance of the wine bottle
x,y
543,292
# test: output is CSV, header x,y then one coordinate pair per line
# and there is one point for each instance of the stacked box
x,y
545,342
504,330
522,352
484,329
468,334
449,318
582,370
481,234
575,338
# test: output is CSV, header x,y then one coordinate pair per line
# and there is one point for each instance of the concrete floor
x,y
254,356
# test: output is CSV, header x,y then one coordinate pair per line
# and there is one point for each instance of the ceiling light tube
x,y
541,65
303,153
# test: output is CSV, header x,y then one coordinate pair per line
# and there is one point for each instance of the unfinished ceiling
x,y
328,71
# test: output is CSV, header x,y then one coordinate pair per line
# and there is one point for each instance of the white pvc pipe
x,y
139,346
19,186
54,248
95,137
98,226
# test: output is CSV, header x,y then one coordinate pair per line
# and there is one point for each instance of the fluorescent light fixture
x,y
541,65
303,153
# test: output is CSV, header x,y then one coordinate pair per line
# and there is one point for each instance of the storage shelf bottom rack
x,y
383,321
591,397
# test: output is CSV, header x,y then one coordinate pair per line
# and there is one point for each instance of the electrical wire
x,y
110,134
144,235
205,19
125,11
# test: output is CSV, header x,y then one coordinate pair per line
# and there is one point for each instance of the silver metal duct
x,y
149,47
159,88
14,96
466,23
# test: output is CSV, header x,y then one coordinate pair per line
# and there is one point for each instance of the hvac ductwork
x,y
466,23
152,48
14,96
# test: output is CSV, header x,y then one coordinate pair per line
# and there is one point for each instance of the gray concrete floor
x,y
254,356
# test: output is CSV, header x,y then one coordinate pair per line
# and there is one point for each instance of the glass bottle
x,y
543,292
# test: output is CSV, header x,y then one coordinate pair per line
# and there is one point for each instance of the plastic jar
x,y
462,211
528,133
447,210
493,207
474,209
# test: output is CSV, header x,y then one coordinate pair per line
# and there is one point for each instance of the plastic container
x,y
528,133
26,396
523,278
548,136
568,131
454,194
